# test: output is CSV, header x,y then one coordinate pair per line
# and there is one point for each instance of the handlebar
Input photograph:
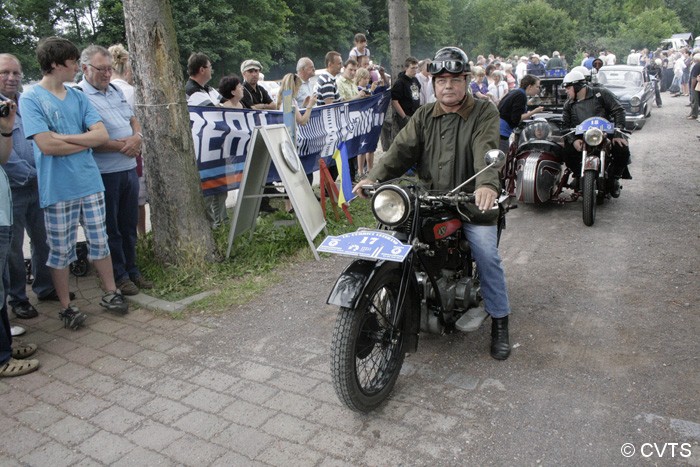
x,y
448,198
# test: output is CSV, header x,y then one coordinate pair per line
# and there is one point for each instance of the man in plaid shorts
x,y
65,127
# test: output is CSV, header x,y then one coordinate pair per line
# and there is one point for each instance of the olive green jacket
x,y
446,149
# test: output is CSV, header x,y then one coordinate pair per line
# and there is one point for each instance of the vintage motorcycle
x,y
535,172
596,179
414,273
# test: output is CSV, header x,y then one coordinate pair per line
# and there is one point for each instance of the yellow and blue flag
x,y
342,161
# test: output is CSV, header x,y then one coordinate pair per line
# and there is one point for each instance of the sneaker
x,y
24,310
140,282
21,350
114,301
17,331
53,297
14,367
127,287
72,317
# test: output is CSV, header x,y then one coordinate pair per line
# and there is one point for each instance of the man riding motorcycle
x,y
586,101
445,141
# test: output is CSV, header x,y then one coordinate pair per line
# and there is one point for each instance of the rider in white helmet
x,y
584,102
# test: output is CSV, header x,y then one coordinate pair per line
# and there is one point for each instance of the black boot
x,y
500,344
615,187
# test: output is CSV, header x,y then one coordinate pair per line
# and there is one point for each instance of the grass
x,y
253,264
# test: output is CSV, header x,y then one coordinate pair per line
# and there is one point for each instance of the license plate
x,y
367,244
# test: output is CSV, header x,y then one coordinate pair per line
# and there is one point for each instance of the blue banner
x,y
222,136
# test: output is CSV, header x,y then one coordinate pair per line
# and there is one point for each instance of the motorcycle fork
x,y
406,273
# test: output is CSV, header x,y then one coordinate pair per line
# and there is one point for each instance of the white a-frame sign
x,y
272,143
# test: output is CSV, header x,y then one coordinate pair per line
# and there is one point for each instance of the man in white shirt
x,y
427,93
521,68
305,71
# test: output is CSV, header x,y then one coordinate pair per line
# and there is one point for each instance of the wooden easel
x,y
328,186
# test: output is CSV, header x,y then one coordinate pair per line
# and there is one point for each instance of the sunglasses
x,y
449,66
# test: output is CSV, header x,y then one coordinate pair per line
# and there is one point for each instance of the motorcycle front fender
x,y
353,281
591,163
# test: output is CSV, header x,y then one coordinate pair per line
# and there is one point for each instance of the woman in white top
x,y
122,76
497,86
292,82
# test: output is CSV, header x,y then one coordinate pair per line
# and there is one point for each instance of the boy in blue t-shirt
x,y
65,127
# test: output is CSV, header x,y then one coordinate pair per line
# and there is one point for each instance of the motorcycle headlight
x,y
593,136
391,205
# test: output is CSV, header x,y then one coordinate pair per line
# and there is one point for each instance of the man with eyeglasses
x,y
26,211
446,141
116,160
197,90
200,93
65,127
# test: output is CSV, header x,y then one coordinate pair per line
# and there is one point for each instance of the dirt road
x,y
605,333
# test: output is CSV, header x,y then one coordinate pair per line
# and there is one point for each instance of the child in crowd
x,y
360,48
362,80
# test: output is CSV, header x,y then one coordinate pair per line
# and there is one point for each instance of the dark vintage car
x,y
634,90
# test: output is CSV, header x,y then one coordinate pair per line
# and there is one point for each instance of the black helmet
x,y
449,60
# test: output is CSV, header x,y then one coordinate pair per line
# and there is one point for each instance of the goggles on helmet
x,y
449,66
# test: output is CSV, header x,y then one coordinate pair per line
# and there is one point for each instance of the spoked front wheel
x,y
366,350
589,196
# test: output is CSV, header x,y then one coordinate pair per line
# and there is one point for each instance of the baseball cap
x,y
250,64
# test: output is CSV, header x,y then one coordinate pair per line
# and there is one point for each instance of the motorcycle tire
x,y
589,197
366,353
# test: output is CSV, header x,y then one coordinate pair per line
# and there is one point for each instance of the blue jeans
x,y
5,333
122,211
483,243
28,215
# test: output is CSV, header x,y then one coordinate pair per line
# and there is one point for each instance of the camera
x,y
4,109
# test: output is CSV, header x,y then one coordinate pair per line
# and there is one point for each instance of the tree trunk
x,y
181,230
399,35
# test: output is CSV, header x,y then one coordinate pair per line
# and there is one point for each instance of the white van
x,y
673,43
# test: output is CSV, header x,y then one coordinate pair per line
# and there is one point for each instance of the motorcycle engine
x,y
457,293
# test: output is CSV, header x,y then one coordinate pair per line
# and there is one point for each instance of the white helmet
x,y
574,77
583,70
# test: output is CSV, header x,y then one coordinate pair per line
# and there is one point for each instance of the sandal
x,y
18,367
21,350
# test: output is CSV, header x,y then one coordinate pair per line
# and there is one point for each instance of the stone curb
x,y
157,304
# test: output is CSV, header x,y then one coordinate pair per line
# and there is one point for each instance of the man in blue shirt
x,y
116,160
